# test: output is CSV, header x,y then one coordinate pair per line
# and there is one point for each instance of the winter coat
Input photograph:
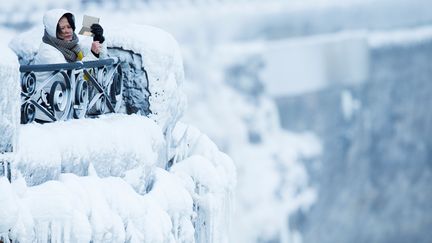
x,y
48,54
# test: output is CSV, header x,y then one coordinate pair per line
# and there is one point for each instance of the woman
x,y
60,43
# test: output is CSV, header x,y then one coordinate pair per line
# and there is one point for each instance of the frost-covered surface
x,y
210,177
45,151
162,59
9,95
84,209
189,203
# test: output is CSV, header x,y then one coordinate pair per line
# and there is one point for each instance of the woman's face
x,y
66,31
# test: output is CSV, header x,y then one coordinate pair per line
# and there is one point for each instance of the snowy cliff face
x,y
376,171
109,179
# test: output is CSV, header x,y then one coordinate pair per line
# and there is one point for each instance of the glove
x,y
97,30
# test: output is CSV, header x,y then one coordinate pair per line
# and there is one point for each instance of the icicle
x,y
56,232
5,170
42,232
92,170
181,145
66,232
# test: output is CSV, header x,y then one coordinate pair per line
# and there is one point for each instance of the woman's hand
x,y
96,47
97,31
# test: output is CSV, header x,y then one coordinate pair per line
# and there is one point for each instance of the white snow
x,y
9,95
190,201
163,61
70,147
84,209
210,177
9,209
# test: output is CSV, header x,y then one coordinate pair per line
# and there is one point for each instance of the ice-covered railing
x,y
53,92
151,63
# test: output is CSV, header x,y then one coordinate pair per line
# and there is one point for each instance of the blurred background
x,y
324,105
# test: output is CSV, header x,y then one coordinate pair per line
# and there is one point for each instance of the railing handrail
x,y
67,66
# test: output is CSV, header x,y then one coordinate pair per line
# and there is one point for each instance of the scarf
x,y
70,49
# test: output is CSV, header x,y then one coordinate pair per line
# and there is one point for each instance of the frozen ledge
x,y
114,144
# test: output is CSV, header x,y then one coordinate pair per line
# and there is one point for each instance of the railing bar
x,y
43,109
67,66
93,81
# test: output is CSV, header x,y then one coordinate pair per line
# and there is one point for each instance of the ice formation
x,y
109,179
